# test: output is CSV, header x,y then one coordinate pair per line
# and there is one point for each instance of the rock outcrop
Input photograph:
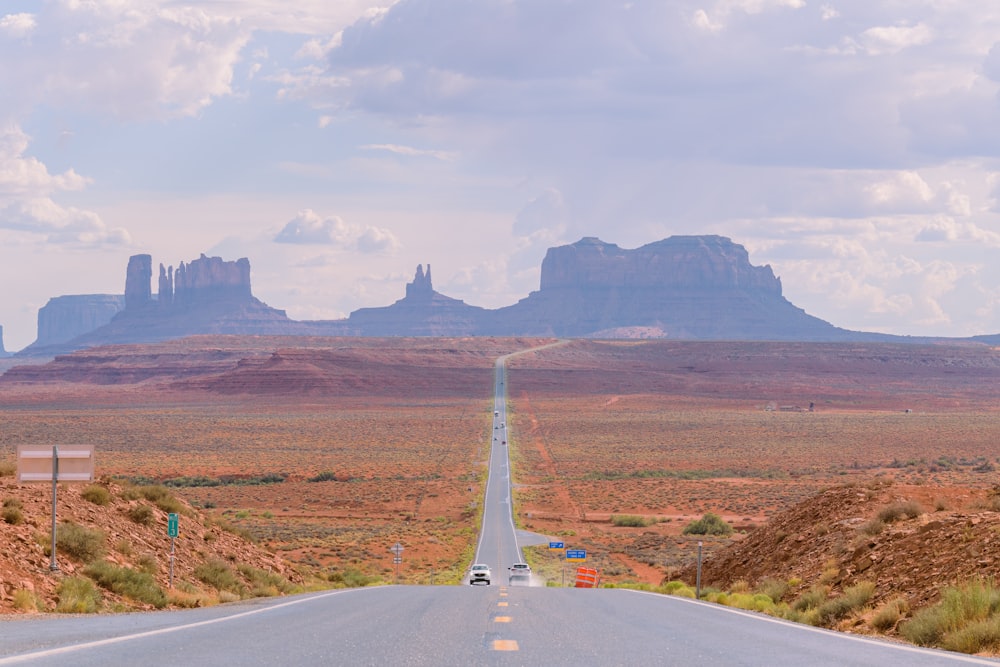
x,y
422,312
683,287
137,277
64,318
205,296
689,287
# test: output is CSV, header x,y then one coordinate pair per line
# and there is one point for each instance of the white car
x,y
480,574
520,573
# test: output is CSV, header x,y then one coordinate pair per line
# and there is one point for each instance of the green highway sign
x,y
172,524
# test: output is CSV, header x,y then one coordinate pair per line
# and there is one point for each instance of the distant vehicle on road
x,y
496,413
520,573
480,574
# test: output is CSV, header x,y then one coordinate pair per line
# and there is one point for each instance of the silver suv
x,y
480,574
520,573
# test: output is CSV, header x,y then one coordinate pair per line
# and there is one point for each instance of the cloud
x,y
131,60
309,228
26,203
18,25
410,151
544,213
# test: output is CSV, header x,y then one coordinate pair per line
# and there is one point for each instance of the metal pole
x,y
55,485
172,538
697,585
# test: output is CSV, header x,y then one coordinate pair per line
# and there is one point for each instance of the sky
x,y
852,145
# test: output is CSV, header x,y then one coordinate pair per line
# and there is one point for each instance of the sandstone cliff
x,y
64,318
687,287
205,296
683,287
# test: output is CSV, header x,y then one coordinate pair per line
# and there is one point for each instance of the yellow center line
x,y
502,619
501,604
504,645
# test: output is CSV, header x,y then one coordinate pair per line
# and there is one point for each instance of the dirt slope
x,y
25,563
830,539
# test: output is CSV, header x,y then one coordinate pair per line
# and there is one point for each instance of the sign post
x,y
40,463
173,525
397,550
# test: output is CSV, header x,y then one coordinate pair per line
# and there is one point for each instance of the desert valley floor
x,y
328,451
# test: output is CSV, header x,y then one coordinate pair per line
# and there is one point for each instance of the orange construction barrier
x,y
587,577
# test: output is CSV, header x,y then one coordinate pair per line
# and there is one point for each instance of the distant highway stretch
x,y
454,625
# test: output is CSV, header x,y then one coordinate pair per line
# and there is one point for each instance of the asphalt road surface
x,y
454,625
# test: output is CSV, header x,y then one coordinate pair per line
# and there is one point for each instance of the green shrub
x,y
147,563
219,575
708,524
810,599
142,514
888,615
77,595
909,509
13,515
76,541
872,528
264,583
959,607
351,578
25,600
325,476
125,581
96,494
776,589
12,511
630,521
161,496
8,468
976,637
852,599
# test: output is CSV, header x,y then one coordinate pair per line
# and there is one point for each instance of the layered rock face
x,y
697,287
701,262
205,296
64,318
137,275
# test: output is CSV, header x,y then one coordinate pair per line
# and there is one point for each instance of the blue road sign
x,y
576,554
556,545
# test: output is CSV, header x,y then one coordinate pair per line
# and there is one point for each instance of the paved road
x,y
453,625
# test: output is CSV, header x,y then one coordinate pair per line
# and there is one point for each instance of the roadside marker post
x,y
697,583
173,525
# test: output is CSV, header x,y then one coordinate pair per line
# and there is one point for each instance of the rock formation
x,y
205,296
684,287
137,277
422,312
64,318
695,287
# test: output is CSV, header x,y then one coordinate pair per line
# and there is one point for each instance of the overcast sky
x,y
851,144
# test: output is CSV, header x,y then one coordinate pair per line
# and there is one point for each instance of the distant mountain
x,y
683,287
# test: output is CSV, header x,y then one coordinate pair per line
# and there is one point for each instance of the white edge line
x,y
960,657
62,650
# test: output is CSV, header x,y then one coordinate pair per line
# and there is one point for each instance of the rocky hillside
x,y
124,530
911,542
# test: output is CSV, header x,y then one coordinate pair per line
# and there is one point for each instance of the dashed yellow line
x,y
501,604
502,619
504,645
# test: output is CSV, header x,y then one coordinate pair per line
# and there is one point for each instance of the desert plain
x,y
329,451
